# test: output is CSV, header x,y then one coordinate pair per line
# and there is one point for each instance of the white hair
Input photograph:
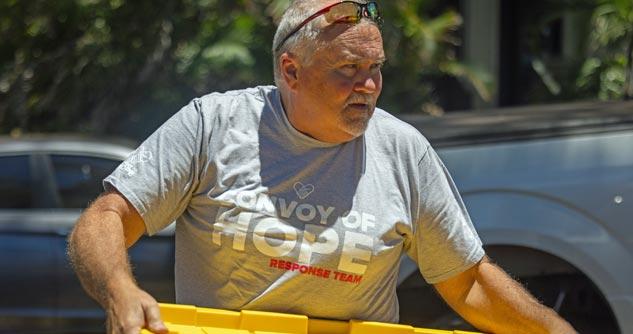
x,y
298,43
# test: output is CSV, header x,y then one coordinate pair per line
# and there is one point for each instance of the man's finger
x,y
132,330
152,319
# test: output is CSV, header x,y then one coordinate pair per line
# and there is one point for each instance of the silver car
x,y
550,191
44,184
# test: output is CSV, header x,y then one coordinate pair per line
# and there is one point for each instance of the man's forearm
x,y
496,303
98,254
97,248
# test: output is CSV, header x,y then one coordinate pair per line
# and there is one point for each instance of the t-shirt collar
x,y
294,134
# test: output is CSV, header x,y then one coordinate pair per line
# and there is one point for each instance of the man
x,y
298,198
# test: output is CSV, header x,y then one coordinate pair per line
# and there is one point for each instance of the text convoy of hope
x,y
356,250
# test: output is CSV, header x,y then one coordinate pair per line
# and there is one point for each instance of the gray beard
x,y
356,125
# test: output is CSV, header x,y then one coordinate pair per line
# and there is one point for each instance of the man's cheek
x,y
378,82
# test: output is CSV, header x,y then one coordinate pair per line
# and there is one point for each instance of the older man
x,y
297,198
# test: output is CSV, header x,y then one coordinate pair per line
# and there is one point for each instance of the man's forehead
x,y
359,42
354,56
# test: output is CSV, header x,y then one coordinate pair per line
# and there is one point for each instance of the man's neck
x,y
303,121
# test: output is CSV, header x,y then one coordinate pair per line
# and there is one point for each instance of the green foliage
x,y
419,50
608,66
115,66
575,50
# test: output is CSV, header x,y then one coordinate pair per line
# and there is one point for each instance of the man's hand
x,y
492,301
130,309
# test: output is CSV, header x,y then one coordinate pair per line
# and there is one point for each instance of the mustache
x,y
360,99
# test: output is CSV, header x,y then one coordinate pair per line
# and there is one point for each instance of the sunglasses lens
x,y
372,11
345,12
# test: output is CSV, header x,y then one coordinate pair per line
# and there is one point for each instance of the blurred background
x,y
122,68
528,103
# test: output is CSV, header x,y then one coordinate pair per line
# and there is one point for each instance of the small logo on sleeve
x,y
131,164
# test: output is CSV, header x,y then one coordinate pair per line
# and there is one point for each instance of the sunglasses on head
x,y
341,12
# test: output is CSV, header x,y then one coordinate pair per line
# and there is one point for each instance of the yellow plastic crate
x,y
183,319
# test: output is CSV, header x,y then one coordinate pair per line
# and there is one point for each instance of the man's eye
x,y
349,69
377,66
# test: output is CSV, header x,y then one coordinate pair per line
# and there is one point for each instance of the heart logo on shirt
x,y
303,190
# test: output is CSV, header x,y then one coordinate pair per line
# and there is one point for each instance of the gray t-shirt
x,y
270,219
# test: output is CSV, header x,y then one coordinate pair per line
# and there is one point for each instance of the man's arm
x,y
97,248
492,301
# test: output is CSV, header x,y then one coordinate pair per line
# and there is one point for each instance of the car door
x,y
28,264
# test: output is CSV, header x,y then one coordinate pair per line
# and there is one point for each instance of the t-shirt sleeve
x,y
159,177
445,242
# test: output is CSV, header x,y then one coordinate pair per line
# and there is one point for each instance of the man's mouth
x,y
358,106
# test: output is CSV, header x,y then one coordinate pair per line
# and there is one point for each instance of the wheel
x,y
571,294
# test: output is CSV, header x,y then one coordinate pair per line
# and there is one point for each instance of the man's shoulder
x,y
393,137
242,104
385,123
257,93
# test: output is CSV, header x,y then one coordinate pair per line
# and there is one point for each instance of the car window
x,y
15,182
79,178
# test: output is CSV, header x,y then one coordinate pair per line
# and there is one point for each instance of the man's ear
x,y
289,66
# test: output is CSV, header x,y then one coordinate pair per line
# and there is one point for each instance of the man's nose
x,y
366,84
